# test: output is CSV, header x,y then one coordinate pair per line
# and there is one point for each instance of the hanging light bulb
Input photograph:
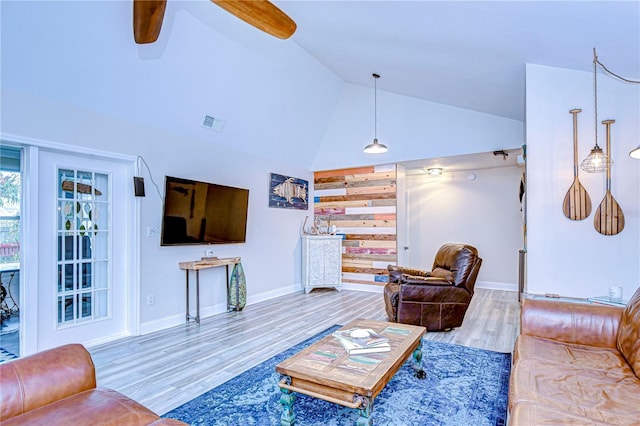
x,y
597,161
375,147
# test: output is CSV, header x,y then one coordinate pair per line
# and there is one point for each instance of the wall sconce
x,y
635,153
434,171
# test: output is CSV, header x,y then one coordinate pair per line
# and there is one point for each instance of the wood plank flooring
x,y
165,369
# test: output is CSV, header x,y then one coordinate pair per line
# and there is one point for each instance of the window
x,y
83,288
10,194
10,188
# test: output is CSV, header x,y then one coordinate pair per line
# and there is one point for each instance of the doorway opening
x,y
476,199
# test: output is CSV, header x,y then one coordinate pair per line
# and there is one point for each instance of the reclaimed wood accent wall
x,y
361,203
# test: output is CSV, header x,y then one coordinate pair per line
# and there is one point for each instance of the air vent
x,y
213,123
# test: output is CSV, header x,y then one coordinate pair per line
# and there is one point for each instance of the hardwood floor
x,y
166,369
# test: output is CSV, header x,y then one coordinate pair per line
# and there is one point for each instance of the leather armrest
x,y
415,272
424,280
577,323
42,378
395,272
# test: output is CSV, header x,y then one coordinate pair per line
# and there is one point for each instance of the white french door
x,y
83,250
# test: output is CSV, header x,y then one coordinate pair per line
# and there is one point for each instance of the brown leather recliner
x,y
436,299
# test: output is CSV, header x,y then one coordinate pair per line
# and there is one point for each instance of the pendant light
x,y
597,161
375,147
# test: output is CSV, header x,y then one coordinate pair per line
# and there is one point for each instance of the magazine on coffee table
x,y
374,342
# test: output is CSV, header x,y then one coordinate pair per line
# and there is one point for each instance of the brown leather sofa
x,y
58,387
436,299
576,364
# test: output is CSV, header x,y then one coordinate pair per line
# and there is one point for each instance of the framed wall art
x,y
287,192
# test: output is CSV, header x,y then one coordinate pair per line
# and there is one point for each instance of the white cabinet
x,y
321,261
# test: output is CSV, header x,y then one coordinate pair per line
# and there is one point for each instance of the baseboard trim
x,y
491,285
107,339
282,291
179,319
161,324
363,287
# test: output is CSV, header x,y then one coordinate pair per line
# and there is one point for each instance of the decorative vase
x,y
237,289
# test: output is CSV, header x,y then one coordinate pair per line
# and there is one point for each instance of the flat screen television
x,y
203,213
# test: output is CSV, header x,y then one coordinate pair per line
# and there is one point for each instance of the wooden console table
x,y
196,266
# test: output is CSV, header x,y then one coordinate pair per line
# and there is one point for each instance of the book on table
x,y
373,343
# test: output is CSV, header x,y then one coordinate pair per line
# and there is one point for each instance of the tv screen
x,y
203,213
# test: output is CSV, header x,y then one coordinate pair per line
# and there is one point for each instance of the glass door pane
x,y
83,247
10,236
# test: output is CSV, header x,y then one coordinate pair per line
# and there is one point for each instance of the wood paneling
x,y
343,172
361,202
388,199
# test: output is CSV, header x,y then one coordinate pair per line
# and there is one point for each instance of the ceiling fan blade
x,y
147,20
262,14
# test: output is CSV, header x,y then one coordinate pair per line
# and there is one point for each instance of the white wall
x,y
411,128
569,257
271,256
484,213
82,53
79,79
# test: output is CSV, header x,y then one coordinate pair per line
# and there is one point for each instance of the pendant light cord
x,y
595,94
375,105
611,73
596,62
375,147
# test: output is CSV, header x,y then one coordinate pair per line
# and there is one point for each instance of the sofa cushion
x,y
605,360
575,323
102,406
583,390
530,414
628,341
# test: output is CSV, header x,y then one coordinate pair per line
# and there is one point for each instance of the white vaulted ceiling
x,y
469,54
466,54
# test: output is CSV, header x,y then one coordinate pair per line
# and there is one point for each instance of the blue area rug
x,y
464,386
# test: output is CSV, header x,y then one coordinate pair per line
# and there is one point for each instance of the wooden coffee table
x,y
324,370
